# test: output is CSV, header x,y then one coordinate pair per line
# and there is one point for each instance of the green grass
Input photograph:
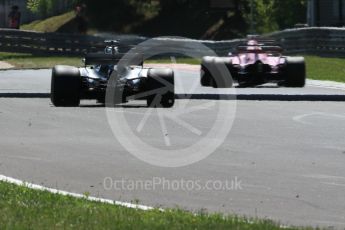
x,y
332,69
182,60
50,24
27,61
30,61
24,208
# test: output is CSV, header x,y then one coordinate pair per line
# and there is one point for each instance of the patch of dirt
x,y
5,65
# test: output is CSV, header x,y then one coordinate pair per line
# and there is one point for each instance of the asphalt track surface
x,y
286,148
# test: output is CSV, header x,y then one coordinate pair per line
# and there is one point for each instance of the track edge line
x,y
75,195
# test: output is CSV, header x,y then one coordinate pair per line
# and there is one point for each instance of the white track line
x,y
326,84
76,195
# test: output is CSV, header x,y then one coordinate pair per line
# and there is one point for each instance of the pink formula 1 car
x,y
254,63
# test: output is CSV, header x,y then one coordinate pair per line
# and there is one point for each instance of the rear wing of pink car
x,y
259,49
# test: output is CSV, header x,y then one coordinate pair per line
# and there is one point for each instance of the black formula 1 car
x,y
129,80
254,63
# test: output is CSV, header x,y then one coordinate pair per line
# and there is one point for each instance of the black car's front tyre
x,y
295,72
161,88
65,86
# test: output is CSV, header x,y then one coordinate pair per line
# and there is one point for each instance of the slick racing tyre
x,y
216,72
65,86
161,87
295,72
205,78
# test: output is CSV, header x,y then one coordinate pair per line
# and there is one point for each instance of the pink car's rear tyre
x,y
295,72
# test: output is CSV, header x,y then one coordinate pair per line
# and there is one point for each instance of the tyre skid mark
x,y
301,118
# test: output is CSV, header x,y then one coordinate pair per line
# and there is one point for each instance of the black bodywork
x,y
123,73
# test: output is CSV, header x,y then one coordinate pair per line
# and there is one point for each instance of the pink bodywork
x,y
254,52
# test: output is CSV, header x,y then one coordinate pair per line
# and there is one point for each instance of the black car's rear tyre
x,y
65,86
161,87
295,72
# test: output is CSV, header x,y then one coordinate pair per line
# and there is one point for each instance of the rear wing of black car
x,y
113,59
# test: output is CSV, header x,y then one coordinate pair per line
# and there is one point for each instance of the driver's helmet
x,y
253,45
111,50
